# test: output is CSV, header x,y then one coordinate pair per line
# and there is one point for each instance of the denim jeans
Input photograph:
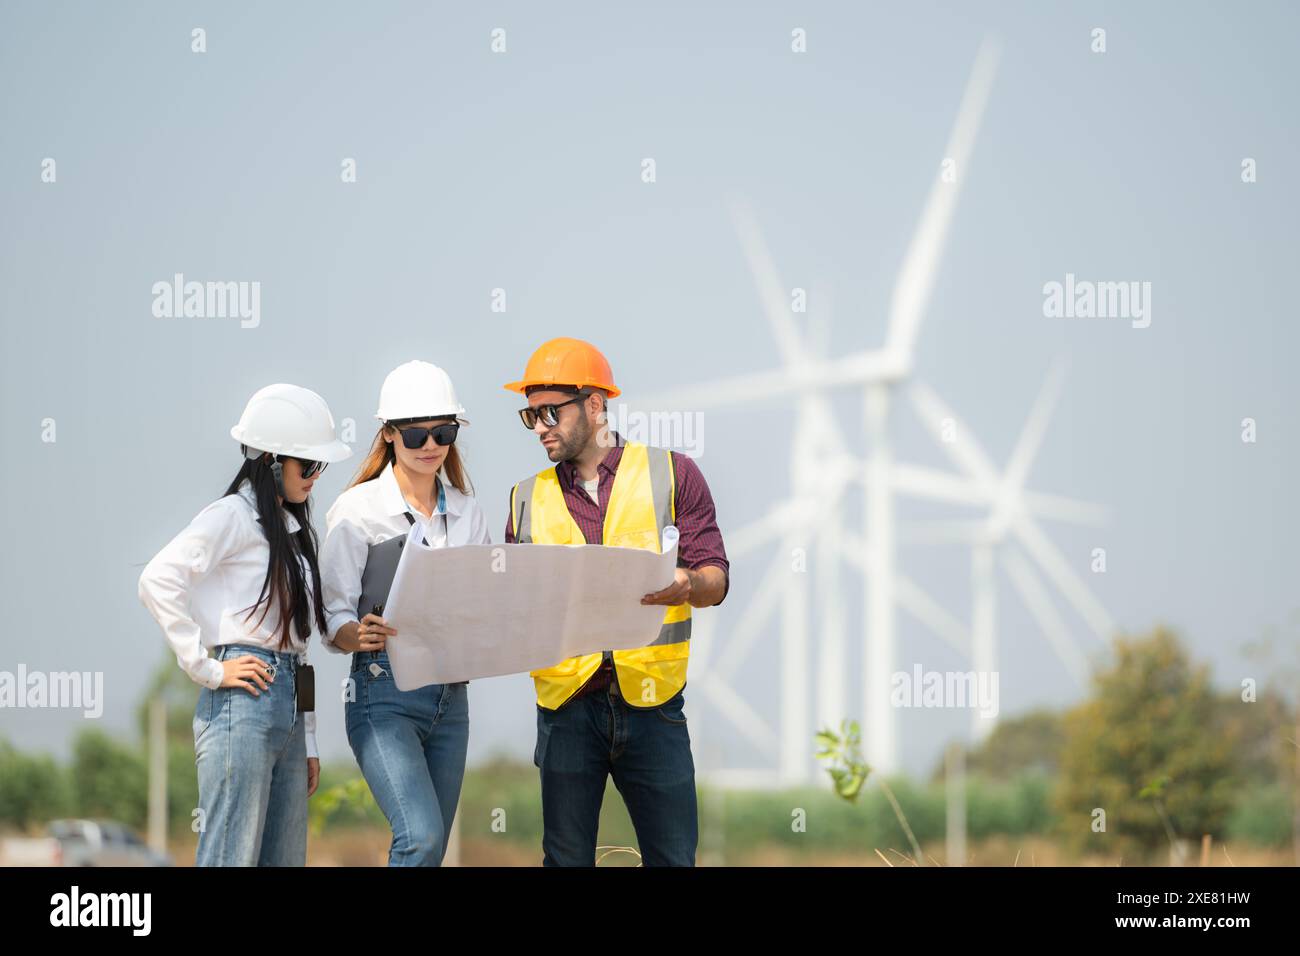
x,y
251,754
411,748
648,752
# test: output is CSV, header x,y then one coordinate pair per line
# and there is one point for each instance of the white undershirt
x,y
593,489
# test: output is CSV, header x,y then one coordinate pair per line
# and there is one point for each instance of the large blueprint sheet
x,y
484,610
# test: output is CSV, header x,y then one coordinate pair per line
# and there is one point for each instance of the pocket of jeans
x,y
377,670
675,706
202,713
207,709
543,735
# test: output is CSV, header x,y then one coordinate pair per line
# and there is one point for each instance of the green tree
x,y
1151,748
1276,748
108,778
1028,744
32,788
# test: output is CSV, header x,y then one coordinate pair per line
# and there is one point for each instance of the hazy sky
x,y
522,171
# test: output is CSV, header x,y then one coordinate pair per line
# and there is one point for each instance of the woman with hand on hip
x,y
243,582
410,744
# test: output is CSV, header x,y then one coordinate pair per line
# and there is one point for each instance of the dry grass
x,y
369,847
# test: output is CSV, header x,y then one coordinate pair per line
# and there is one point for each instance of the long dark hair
x,y
284,575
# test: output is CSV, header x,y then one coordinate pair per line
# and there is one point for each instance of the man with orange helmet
x,y
614,713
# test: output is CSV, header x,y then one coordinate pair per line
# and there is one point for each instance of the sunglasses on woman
x,y
548,415
310,469
414,436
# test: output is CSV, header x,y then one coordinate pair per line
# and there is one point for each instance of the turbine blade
x,y
918,481
771,293
821,317
757,387
777,522
804,512
1027,445
921,606
1057,508
1039,603
741,715
1071,586
964,449
920,265
770,590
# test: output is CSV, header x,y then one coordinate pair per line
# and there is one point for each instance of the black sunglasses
x,y
414,436
310,469
548,414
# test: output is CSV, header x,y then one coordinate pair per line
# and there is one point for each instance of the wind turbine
x,y
988,538
878,372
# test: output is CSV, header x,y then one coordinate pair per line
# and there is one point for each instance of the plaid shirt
x,y
700,543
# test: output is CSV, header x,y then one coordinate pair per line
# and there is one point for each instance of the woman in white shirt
x,y
242,581
410,745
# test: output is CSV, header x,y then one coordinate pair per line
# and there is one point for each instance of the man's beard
x,y
568,448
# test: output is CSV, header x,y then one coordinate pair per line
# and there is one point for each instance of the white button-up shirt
x,y
199,586
370,513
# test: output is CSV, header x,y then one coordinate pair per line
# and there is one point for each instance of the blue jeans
x,y
252,759
411,748
648,752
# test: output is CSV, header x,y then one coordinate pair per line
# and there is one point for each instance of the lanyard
x,y
441,510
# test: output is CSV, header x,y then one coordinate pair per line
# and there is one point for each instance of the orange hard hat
x,y
567,362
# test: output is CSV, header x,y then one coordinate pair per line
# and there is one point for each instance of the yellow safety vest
x,y
640,506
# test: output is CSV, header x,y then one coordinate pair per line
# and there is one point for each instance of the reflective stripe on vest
x,y
641,504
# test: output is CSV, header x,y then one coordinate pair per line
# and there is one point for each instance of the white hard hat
x,y
418,390
290,420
